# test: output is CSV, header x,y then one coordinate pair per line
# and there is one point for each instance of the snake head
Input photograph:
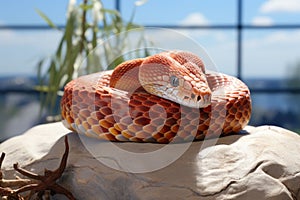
x,y
176,76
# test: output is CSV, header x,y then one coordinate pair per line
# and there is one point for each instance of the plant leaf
x,y
109,11
49,22
86,7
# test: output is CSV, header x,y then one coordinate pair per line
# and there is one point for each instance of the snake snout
x,y
201,101
206,100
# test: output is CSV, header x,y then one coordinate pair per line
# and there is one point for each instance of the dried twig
x,y
39,185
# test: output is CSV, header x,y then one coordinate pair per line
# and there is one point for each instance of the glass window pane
x,y
271,12
270,54
21,50
19,111
220,46
54,9
273,109
189,12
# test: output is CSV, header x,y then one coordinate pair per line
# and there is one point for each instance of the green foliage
x,y
87,25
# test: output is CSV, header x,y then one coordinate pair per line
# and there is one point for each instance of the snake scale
x,y
163,98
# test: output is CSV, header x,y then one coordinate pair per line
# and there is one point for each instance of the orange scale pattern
x,y
141,117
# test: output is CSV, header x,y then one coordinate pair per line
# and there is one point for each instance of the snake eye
x,y
174,81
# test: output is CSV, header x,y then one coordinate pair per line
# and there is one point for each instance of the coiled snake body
x,y
161,98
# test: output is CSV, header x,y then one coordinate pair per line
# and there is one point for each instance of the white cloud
x,y
265,54
20,50
262,21
280,6
269,55
276,38
282,37
140,2
198,19
194,19
40,39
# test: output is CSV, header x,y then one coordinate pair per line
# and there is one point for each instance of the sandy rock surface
x,y
262,164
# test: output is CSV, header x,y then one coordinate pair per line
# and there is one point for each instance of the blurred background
x,y
257,41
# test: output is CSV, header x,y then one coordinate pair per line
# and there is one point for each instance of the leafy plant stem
x,y
83,27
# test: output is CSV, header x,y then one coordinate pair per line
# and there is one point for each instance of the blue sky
x,y
266,53
161,12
